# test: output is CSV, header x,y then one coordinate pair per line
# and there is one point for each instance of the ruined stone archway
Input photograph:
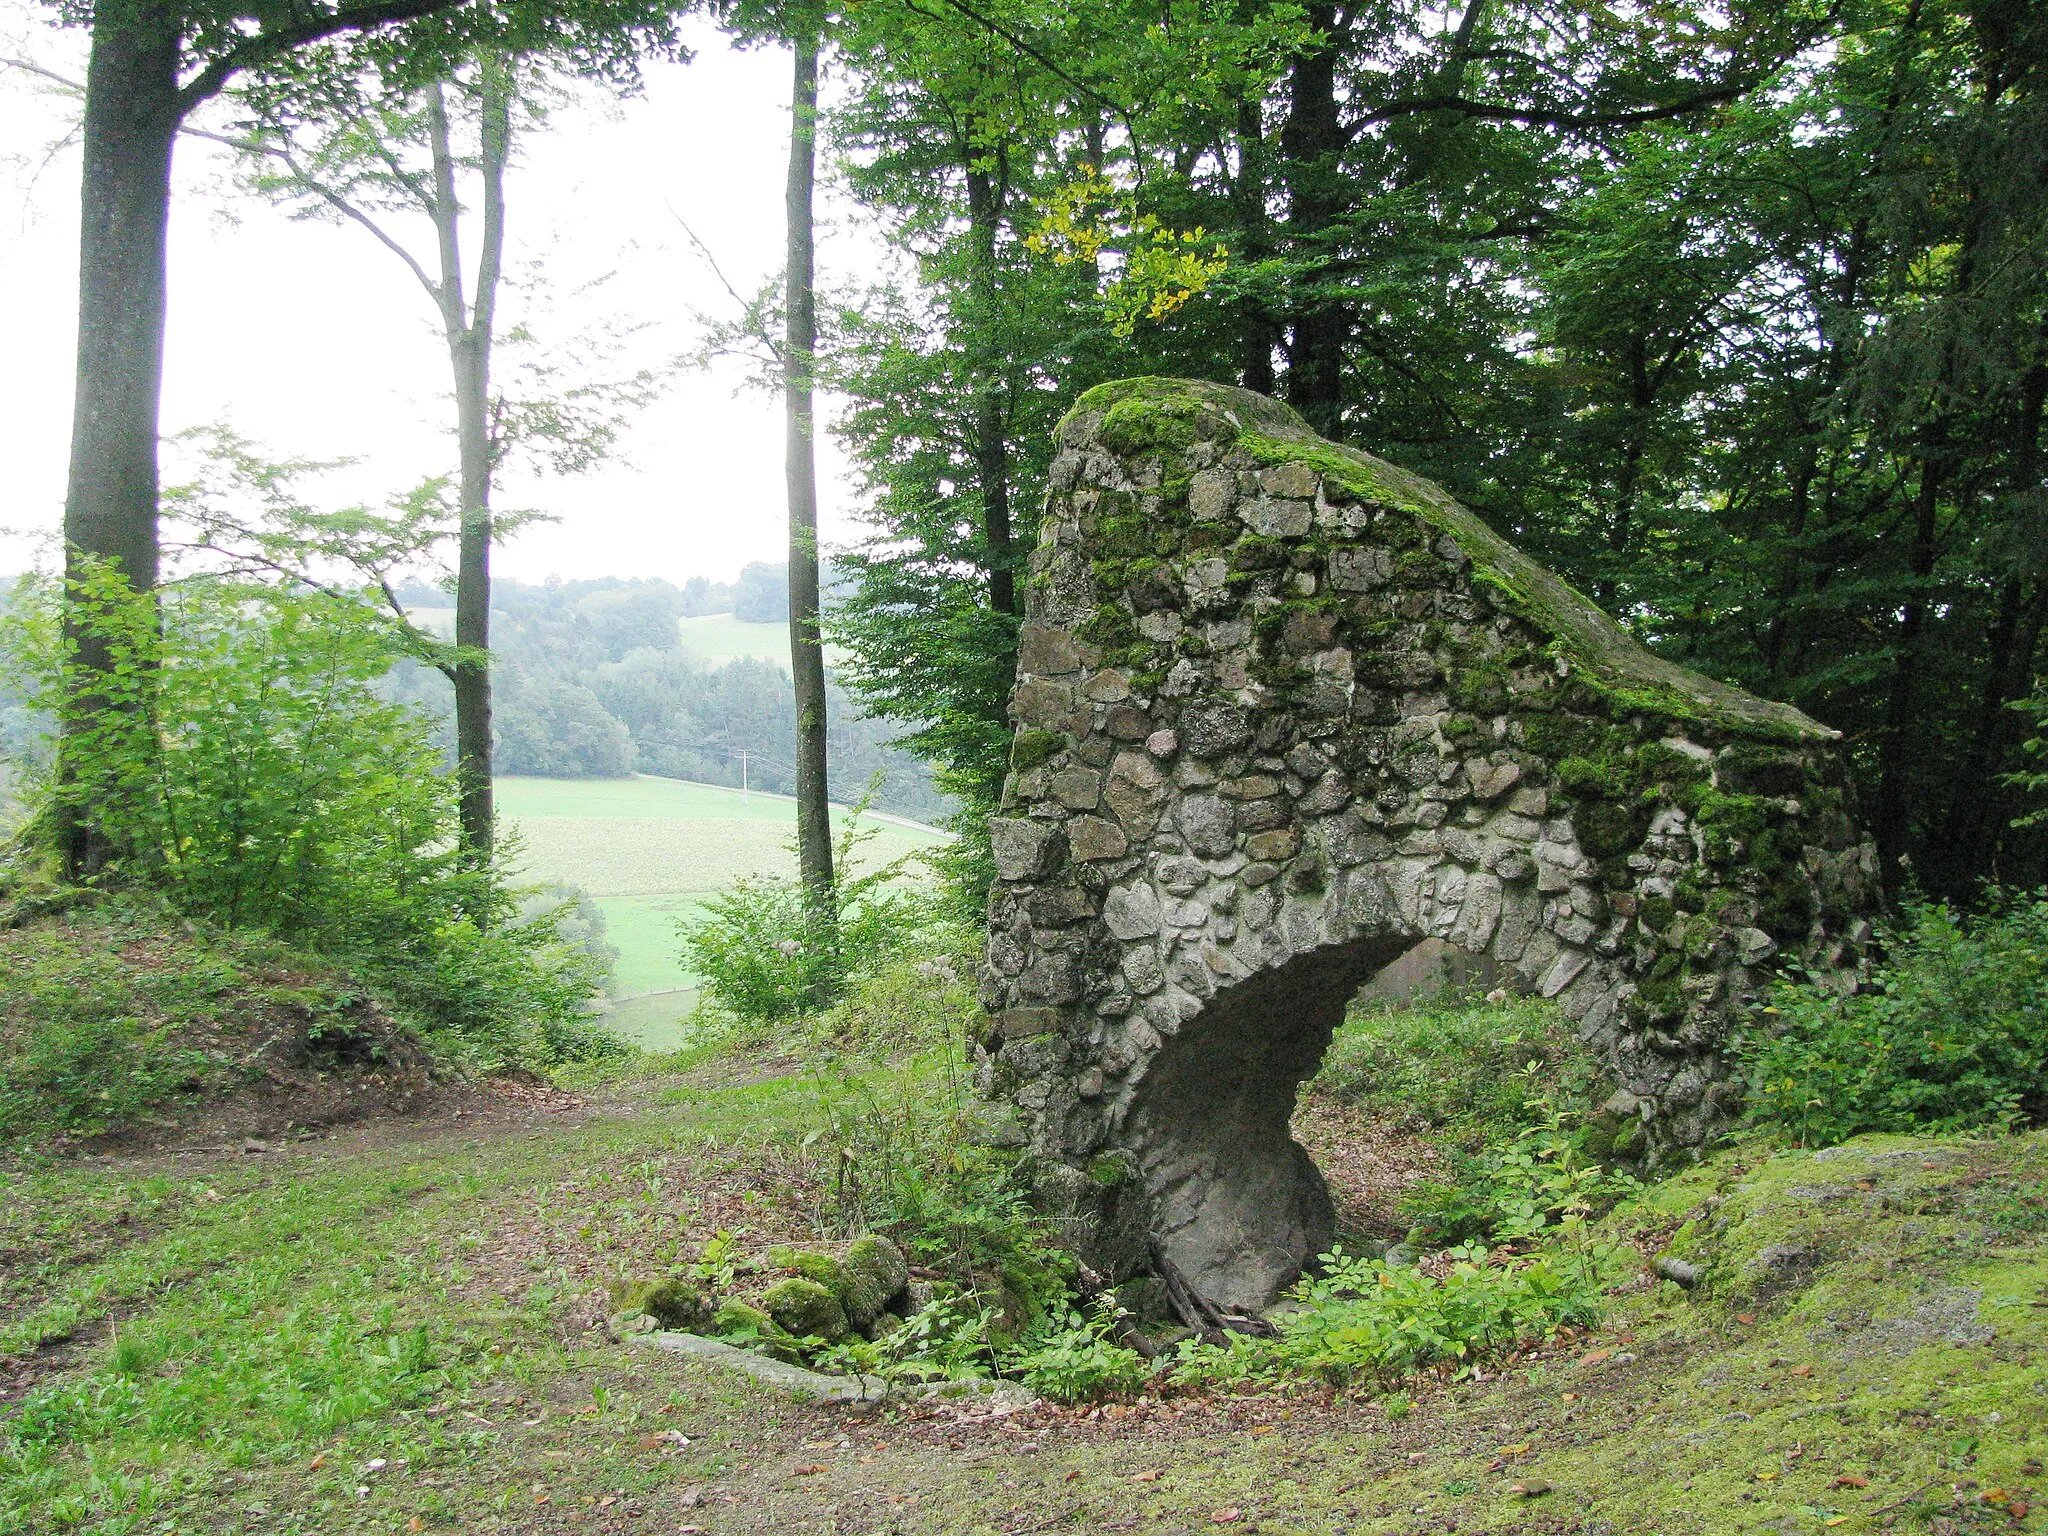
x,y
1284,711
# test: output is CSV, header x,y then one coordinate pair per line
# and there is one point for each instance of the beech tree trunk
x,y
806,649
991,441
469,330
110,508
1310,141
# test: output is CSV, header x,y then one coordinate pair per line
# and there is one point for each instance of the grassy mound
x,y
118,1027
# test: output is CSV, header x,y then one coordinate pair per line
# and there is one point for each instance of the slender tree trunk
x,y
991,428
110,507
1255,336
806,649
1310,141
1891,823
468,325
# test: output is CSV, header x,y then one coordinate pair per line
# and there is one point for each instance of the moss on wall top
x,y
1132,416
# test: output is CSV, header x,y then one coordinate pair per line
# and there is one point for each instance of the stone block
x,y
1078,788
1024,849
1092,838
1208,825
1046,652
1272,846
1277,519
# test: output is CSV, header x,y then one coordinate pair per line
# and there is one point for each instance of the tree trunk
x,y
1892,819
110,508
1310,141
469,328
991,441
1248,205
806,650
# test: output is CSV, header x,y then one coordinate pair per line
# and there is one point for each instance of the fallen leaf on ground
x,y
317,1462
1530,1487
1595,1356
1745,1318
1802,1370
1515,1450
1262,1429
1071,1475
415,1524
1222,1516
1767,1477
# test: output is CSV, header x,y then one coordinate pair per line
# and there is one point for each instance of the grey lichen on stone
x,y
1284,712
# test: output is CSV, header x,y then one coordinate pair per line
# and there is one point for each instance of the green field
x,y
715,637
648,851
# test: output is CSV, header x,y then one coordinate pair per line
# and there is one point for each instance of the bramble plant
x,y
1078,1361
1363,1322
1522,1191
766,955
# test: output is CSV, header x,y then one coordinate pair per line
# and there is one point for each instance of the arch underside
x,y
1237,1205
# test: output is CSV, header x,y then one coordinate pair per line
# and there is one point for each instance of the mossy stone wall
x,y
1283,711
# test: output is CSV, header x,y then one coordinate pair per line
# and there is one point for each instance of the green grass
x,y
716,637
654,1021
643,930
649,849
355,1341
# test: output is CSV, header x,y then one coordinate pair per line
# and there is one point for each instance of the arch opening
x,y
1237,1204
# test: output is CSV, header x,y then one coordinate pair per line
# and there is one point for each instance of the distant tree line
x,y
593,681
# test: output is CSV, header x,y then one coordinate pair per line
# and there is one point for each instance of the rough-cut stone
x,y
1383,724
1092,838
1023,850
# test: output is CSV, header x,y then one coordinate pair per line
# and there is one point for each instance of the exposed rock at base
x,y
1333,715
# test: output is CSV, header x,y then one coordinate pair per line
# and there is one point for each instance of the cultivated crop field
x,y
650,850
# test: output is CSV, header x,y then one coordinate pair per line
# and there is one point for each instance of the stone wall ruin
x,y
1284,711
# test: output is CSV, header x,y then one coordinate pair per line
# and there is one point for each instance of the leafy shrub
x,y
1364,1322
1519,1191
118,1012
1078,1361
1460,1065
1952,1032
766,952
251,774
86,1037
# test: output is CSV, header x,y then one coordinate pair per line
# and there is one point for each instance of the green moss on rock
x,y
806,1309
1031,747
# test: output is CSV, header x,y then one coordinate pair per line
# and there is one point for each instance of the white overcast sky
x,y
314,342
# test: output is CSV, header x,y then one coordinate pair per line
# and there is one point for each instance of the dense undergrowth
x,y
262,805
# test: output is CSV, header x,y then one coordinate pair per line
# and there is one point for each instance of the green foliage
x,y
1951,1033
1078,1361
1461,1066
1364,1323
766,953
91,1040
1519,1192
247,768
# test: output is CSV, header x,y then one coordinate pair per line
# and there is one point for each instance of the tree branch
x,y
1536,117
267,44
